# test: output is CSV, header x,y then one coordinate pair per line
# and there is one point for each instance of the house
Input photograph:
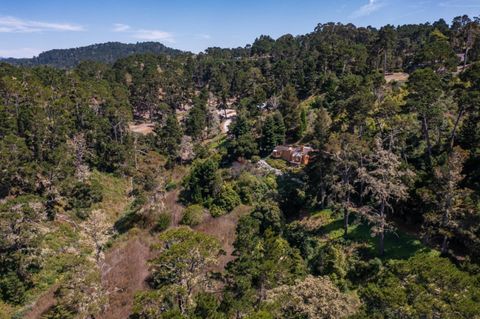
x,y
294,155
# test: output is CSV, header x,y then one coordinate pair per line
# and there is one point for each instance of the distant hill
x,y
104,52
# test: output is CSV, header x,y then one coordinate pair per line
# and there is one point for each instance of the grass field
x,y
398,245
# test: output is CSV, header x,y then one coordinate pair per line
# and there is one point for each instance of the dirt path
x,y
124,273
42,305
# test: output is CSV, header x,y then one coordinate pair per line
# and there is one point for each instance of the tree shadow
x,y
398,245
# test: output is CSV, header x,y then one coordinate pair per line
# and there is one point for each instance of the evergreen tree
x,y
242,142
168,137
289,107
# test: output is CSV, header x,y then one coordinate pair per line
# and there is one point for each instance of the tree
x,y
424,90
97,232
168,137
384,180
289,107
313,298
437,53
424,286
279,127
321,127
468,98
81,295
17,169
385,43
346,153
257,263
273,133
268,140
20,232
79,146
196,121
451,199
241,143
185,257
203,183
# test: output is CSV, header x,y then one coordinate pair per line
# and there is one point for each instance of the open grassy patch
x,y
115,194
398,244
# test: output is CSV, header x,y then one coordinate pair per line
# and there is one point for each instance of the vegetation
x,y
102,52
383,222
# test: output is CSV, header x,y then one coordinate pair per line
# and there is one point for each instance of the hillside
x,y
102,52
328,175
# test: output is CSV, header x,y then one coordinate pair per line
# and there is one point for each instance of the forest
x,y
141,184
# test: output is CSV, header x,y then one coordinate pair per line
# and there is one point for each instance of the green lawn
x,y
398,245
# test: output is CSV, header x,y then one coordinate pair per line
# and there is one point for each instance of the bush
x,y
12,288
250,188
171,185
201,185
82,196
6,311
193,215
255,158
227,199
163,222
216,211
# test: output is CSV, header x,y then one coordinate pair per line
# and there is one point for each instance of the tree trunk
x,y
384,61
454,131
466,57
346,214
427,138
445,219
345,223
444,245
381,246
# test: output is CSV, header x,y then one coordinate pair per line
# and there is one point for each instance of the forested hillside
x,y
145,187
102,52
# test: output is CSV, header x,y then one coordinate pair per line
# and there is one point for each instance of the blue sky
x,y
28,27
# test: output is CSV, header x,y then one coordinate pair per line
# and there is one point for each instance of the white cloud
x,y
120,27
154,35
19,53
367,9
10,24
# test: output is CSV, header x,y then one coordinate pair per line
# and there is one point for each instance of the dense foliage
x,y
102,52
383,222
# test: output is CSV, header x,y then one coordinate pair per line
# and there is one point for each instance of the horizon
x,y
29,28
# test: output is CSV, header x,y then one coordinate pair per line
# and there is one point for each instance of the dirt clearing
x,y
223,228
124,273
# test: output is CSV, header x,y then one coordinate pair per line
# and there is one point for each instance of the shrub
x,y
82,196
163,222
12,288
216,211
201,185
255,158
250,188
193,215
171,185
227,199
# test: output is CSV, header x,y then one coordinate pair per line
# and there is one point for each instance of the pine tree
x,y
168,138
289,106
384,180
269,138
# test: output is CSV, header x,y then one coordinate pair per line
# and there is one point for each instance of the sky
x,y
28,27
